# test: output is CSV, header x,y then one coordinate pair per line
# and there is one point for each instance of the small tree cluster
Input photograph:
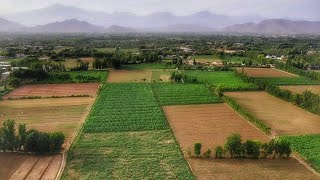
x,y
29,141
235,148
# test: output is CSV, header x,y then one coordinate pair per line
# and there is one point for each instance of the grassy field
x,y
308,146
226,80
125,107
127,155
105,50
281,81
206,58
147,66
235,59
175,94
161,76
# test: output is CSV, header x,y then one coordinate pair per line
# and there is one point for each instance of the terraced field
x,y
174,94
226,80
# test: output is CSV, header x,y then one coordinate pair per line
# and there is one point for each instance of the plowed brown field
x,y
301,88
211,125
49,90
61,114
17,166
283,117
265,72
122,76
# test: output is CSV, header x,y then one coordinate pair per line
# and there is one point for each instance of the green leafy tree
x,y
252,148
22,135
197,149
219,152
10,140
56,141
233,145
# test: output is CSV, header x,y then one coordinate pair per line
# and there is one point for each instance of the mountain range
x,y
66,19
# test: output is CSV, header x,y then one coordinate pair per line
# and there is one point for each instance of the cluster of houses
x,y
274,57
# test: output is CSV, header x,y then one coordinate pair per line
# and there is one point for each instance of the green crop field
x,y
225,79
308,146
125,107
102,75
175,94
127,155
161,76
289,80
146,66
126,136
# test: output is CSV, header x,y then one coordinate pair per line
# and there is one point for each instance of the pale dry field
x,y
72,63
211,125
49,90
283,117
124,76
265,72
56,114
301,88
17,166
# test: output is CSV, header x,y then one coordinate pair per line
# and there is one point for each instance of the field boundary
x,y
75,136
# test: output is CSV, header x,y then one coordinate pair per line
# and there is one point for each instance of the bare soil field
x,y
49,90
265,72
283,117
301,88
18,166
57,114
122,76
211,125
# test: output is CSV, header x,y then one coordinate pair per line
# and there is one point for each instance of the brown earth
x,y
123,76
301,88
283,117
30,167
57,114
211,125
49,90
265,72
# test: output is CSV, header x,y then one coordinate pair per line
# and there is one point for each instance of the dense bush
x,y
252,148
197,149
233,145
29,141
219,152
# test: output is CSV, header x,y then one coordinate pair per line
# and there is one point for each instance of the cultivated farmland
x,y
265,72
61,114
125,107
308,147
127,155
175,94
283,117
49,90
301,88
18,166
226,80
206,58
211,125
123,76
161,76
72,63
282,81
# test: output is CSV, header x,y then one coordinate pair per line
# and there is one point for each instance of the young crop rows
x,y
225,80
281,81
125,107
174,94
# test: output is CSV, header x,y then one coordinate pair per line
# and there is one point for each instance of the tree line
x,y
29,141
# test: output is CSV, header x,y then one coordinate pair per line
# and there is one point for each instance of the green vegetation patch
x,y
206,58
175,94
308,146
125,107
289,80
102,75
226,80
127,155
161,76
146,66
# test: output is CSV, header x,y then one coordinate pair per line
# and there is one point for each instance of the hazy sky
x,y
302,9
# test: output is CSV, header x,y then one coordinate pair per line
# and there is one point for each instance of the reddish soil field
x,y
211,125
49,90
265,72
57,114
123,76
283,117
30,167
301,88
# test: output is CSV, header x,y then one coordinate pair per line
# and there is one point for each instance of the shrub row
x,y
31,141
235,148
235,106
307,100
